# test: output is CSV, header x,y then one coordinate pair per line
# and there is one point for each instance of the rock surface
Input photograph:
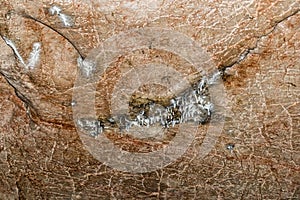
x,y
255,43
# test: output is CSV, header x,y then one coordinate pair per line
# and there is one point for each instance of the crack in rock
x,y
248,51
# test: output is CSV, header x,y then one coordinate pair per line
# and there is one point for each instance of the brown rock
x,y
255,44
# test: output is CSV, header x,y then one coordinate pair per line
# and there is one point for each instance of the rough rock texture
x,y
255,43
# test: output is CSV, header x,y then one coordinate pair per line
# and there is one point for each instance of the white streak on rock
x,y
92,126
14,48
214,79
54,10
34,55
65,19
86,67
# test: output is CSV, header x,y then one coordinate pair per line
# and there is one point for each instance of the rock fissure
x,y
27,16
255,157
248,51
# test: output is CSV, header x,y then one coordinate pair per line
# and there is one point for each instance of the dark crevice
x,y
222,69
28,104
248,51
55,30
